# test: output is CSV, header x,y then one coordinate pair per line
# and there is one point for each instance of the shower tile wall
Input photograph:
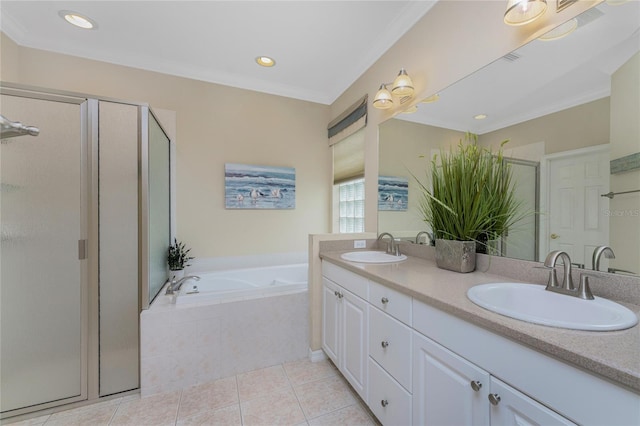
x,y
187,345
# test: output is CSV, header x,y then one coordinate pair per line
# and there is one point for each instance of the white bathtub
x,y
242,284
240,320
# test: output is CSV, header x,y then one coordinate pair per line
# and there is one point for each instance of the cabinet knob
x,y
335,293
494,398
384,343
554,236
476,385
384,300
384,402
340,295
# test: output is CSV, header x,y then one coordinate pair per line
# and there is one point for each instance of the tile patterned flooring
x,y
294,393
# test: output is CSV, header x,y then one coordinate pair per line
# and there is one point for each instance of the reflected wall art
x,y
393,193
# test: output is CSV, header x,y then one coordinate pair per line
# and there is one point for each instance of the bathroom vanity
x,y
418,351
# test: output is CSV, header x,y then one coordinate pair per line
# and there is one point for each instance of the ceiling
x,y
541,77
320,47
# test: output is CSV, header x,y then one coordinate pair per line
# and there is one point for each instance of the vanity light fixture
x,y
383,99
265,61
521,12
77,19
560,31
402,87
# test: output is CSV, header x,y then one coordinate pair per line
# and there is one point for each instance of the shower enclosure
x,y
79,244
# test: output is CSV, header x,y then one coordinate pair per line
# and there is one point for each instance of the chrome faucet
x,y
423,233
174,285
597,254
392,247
583,291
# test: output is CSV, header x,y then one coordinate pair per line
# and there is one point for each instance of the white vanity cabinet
x,y
415,364
449,390
345,324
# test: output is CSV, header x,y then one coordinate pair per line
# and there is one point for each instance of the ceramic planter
x,y
457,256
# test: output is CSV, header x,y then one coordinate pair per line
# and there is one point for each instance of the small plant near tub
x,y
178,256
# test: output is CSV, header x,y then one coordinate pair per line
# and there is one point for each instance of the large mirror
x,y
568,107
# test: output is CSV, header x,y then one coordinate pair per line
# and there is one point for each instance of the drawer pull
x,y
384,402
384,300
494,398
384,343
476,385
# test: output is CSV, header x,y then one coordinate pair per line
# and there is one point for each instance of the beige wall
x,y
406,149
625,140
574,128
215,125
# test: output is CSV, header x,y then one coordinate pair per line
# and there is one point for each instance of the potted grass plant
x,y
178,258
470,201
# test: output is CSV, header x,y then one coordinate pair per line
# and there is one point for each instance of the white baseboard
x,y
315,356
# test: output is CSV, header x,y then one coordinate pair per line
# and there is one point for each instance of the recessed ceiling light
x,y
265,61
480,116
78,19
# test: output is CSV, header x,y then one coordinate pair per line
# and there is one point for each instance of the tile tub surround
x,y
293,393
613,355
187,345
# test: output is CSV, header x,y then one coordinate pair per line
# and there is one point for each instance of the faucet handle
x,y
584,291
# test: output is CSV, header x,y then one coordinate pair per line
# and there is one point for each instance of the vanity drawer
x,y
390,345
392,302
389,401
355,283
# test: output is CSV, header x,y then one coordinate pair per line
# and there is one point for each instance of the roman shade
x,y
350,121
347,139
348,158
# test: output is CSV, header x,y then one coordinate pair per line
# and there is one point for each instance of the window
x,y
351,206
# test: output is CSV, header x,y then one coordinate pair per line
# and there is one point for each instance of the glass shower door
x,y
43,280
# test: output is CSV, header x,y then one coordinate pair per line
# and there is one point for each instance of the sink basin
x,y
532,303
368,256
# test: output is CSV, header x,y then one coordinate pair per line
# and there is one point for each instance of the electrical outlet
x,y
359,244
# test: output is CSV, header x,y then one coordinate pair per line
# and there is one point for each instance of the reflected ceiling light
x,y
77,19
520,12
401,87
265,61
560,31
430,99
411,109
383,99
480,116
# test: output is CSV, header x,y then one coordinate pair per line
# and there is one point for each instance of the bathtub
x,y
243,284
229,322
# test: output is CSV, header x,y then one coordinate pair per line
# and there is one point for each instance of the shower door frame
x,y
88,231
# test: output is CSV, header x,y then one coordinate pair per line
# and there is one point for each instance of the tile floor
x,y
294,393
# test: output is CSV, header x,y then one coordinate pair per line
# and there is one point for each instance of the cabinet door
x,y
354,341
330,320
442,387
514,408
